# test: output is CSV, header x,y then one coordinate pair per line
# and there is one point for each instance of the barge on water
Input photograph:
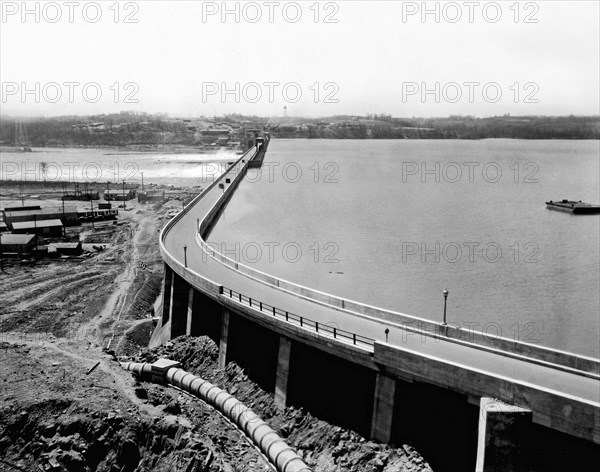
x,y
570,206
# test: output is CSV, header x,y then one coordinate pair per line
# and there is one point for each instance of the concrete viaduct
x,y
465,400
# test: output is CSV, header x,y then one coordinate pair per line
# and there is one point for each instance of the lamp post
x,y
387,332
185,255
445,293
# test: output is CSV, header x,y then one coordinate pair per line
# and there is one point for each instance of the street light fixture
x,y
445,293
185,255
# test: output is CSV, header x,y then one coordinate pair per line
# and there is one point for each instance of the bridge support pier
x,y
283,372
166,302
179,305
223,340
189,326
383,408
502,432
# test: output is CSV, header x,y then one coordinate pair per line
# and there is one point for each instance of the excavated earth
x,y
323,446
66,404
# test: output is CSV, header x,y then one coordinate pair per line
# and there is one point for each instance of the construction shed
x,y
69,249
119,196
23,208
47,228
153,196
68,216
17,243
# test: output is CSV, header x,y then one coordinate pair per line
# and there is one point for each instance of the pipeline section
x,y
268,441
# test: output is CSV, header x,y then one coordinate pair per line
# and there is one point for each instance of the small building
x,y
69,249
97,128
155,196
47,228
17,243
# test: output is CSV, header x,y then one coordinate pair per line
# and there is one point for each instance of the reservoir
x,y
392,223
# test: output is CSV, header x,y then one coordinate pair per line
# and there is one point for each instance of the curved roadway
x,y
519,370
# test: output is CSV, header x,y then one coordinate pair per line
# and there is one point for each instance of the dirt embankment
x,y
55,417
59,411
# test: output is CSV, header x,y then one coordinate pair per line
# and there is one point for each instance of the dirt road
x,y
58,319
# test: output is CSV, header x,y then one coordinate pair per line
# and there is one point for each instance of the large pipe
x,y
268,441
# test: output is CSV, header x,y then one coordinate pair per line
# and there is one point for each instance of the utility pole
x,y
1,256
35,231
92,212
142,181
63,214
124,201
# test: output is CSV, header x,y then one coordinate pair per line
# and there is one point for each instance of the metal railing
x,y
325,329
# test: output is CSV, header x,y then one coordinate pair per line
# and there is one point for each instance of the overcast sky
x,y
343,57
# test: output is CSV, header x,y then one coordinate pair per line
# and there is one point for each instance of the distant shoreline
x,y
127,150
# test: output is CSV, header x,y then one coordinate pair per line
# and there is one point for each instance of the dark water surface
x,y
393,223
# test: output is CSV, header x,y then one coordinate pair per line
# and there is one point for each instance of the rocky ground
x,y
324,447
67,405
56,417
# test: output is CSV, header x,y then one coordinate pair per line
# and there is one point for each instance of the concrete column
x,y
166,304
190,312
502,432
223,341
179,306
283,372
383,408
